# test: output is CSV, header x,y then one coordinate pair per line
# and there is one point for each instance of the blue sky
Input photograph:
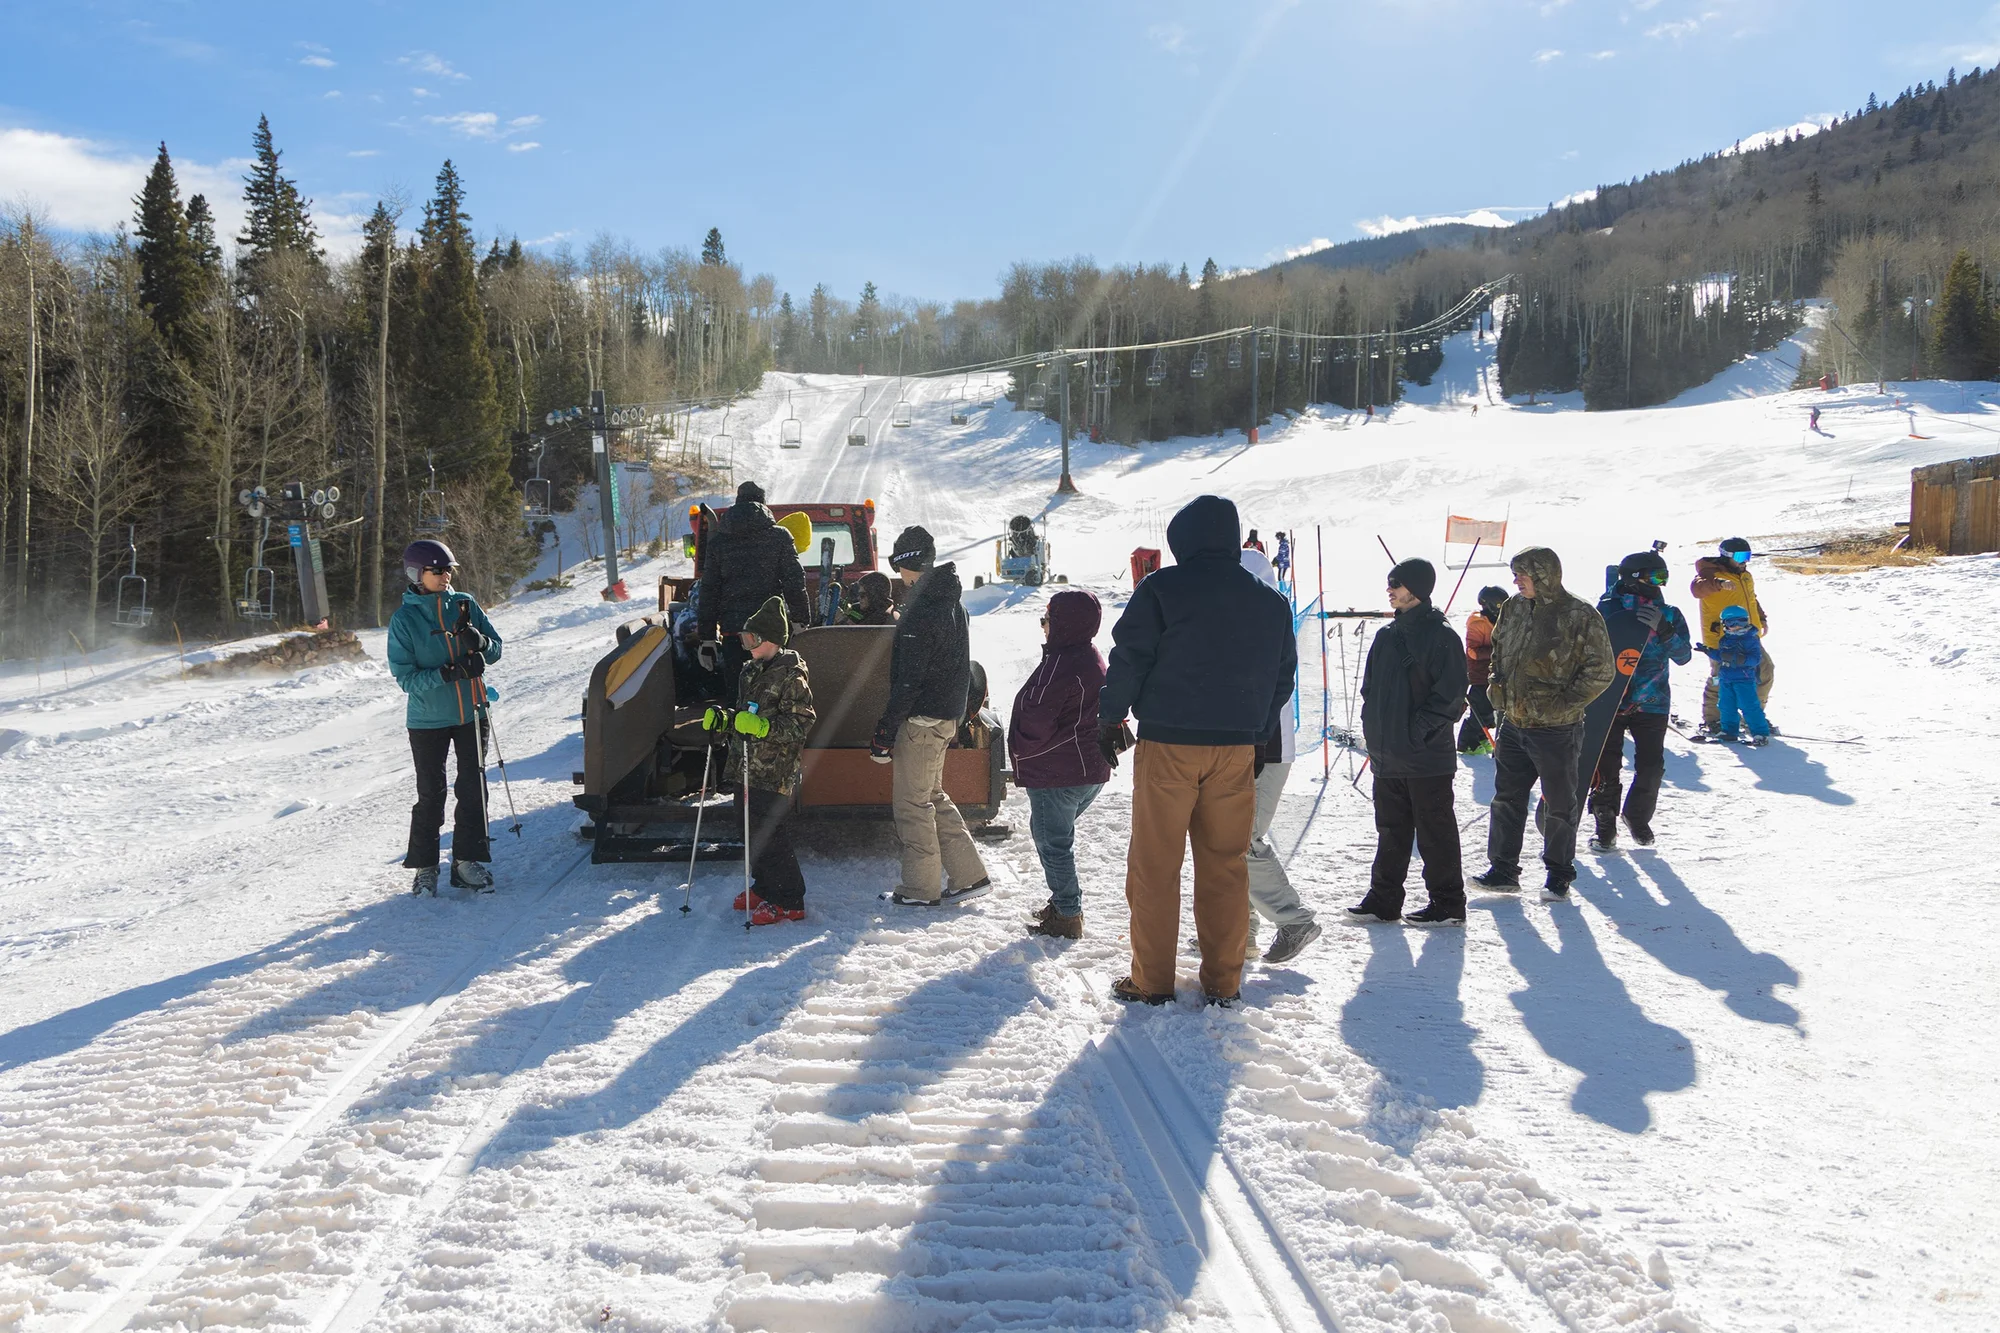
x,y
925,146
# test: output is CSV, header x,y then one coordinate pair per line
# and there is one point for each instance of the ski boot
x,y
1606,837
425,882
471,875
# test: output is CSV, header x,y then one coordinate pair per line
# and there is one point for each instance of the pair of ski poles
x,y
484,709
694,846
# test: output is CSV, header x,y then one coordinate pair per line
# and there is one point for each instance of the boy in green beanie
x,y
773,714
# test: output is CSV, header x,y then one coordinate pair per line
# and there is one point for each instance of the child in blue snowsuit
x,y
1739,656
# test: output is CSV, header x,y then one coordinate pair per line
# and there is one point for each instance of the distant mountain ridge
x,y
1379,252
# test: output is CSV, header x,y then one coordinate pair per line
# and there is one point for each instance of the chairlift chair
x,y
900,414
1038,396
131,611
430,503
1293,355
260,594
1156,373
535,495
791,435
1198,366
857,429
1236,353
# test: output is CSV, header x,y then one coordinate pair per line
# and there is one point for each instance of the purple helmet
x,y
426,553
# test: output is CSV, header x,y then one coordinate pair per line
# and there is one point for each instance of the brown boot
x,y
1054,924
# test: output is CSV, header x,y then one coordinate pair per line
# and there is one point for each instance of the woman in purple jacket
x,y
1053,739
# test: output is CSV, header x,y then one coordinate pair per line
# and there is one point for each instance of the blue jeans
x,y
1740,696
1052,816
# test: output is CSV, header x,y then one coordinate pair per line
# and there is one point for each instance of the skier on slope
x,y
1724,580
1551,658
1475,734
749,560
772,718
442,666
1640,592
1737,659
1271,893
1412,691
930,679
1053,740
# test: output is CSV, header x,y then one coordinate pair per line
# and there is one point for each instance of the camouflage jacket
x,y
1551,652
785,699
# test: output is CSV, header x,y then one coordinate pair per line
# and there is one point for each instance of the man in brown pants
x,y
930,673
1204,658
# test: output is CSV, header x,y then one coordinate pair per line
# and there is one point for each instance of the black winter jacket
x,y
1412,692
749,560
930,668
1203,654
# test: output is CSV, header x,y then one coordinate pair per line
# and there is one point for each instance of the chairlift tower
x,y
298,508
607,497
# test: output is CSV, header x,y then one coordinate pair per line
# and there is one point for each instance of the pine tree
x,y
452,401
278,220
1917,148
1962,342
201,231
493,262
711,247
1205,302
868,315
170,277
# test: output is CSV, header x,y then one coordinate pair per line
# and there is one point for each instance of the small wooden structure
x,y
1955,507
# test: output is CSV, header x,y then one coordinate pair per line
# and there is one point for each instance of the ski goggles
x,y
1740,557
1658,578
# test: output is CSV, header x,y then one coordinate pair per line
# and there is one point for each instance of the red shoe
x,y
770,914
745,899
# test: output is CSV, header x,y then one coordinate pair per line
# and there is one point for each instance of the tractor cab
x,y
849,527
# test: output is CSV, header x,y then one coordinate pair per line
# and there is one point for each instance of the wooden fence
x,y
1955,507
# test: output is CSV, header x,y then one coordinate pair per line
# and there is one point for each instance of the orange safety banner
x,y
1466,531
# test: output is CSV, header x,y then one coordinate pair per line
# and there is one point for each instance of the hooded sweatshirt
x,y
1551,652
1284,749
1053,733
1203,653
1412,695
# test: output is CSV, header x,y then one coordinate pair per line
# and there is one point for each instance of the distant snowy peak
x,y
1765,138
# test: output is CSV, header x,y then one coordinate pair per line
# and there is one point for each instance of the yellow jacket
x,y
1722,583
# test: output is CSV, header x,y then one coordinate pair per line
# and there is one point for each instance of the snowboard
x,y
1629,637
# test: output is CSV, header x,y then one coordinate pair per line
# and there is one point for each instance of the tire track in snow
x,y
225,1203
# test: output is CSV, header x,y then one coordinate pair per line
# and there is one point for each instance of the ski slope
x,y
246,1080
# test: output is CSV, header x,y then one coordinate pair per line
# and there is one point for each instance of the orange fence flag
x,y
1466,531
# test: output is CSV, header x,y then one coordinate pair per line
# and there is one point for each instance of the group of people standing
x,y
1204,661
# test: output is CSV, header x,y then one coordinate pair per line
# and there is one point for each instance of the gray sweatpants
x,y
1271,891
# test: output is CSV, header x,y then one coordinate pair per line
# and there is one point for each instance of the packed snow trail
x,y
245,1078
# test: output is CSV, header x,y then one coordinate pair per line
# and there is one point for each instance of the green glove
x,y
749,724
716,719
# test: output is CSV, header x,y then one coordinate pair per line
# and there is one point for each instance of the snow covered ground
x,y
1742,1084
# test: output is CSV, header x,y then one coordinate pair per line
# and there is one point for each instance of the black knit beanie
x,y
914,549
1416,574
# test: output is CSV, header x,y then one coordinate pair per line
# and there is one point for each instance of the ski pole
x,y
1462,573
1325,679
694,848
505,786
1385,548
746,833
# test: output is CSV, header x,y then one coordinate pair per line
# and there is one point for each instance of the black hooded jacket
x,y
930,668
1203,653
749,560
1412,693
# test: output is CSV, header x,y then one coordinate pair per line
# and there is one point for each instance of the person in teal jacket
x,y
441,664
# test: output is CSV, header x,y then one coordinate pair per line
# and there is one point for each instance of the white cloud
x,y
1312,247
524,122
364,152
1602,55
1478,217
1549,9
1570,155
527,147
329,95
471,124
429,62
1169,37
550,239
1642,6
88,186
316,61
418,93
1676,30
1545,56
